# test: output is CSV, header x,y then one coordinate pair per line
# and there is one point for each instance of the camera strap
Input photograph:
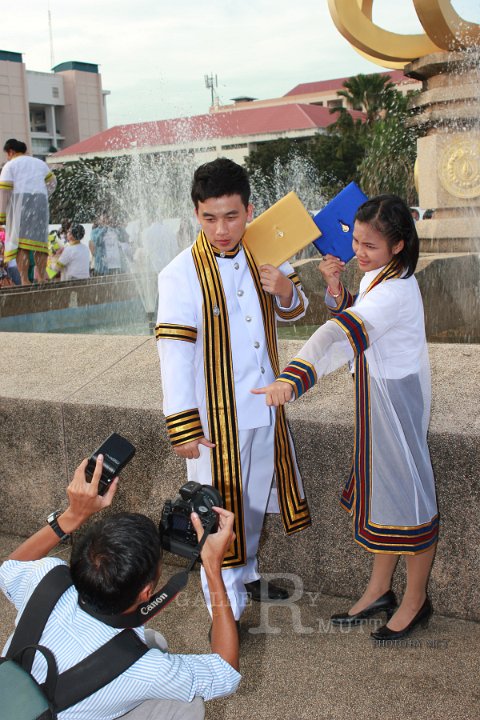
x,y
145,612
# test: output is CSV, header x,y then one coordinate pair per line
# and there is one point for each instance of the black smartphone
x,y
117,451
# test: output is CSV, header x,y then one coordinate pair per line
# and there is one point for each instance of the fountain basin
x,y
104,303
449,283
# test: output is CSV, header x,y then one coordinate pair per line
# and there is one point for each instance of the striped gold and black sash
x,y
221,407
220,394
170,331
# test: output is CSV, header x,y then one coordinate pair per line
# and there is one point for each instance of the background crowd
x,y
107,247
32,251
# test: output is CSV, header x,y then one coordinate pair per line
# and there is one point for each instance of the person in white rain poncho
x,y
25,185
380,332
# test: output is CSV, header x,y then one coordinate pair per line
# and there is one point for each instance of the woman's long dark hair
x,y
391,217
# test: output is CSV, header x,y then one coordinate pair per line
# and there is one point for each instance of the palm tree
x,y
370,93
383,144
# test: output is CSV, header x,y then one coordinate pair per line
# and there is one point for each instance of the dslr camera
x,y
177,533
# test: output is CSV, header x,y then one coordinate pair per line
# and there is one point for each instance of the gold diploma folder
x,y
280,232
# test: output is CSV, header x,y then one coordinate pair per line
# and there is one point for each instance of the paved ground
x,y
295,665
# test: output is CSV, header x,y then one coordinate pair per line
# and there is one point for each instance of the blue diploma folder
x,y
335,221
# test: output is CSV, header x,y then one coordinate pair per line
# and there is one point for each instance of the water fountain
x,y
152,193
144,191
445,57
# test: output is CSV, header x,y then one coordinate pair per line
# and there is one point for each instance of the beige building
x,y
322,93
50,111
232,131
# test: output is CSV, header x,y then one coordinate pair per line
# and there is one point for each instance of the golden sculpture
x,y
444,30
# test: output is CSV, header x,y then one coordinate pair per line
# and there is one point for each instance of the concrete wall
x,y
45,88
60,396
84,113
14,113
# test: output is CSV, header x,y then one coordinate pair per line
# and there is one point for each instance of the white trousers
x,y
168,710
165,709
259,497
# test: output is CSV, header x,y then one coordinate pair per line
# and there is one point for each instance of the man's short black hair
x,y
16,145
116,558
220,177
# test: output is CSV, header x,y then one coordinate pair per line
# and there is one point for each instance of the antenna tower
x,y
50,32
211,82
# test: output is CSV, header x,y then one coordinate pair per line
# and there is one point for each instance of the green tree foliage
x,y
346,137
141,186
377,152
263,159
316,168
88,188
389,158
277,167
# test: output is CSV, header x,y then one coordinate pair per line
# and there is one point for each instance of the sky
x,y
153,55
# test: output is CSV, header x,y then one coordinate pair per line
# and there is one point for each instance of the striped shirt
x,y
72,634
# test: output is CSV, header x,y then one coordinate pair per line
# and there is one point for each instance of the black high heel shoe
x,y
386,603
421,618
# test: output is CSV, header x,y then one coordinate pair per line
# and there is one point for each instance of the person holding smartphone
x,y
115,567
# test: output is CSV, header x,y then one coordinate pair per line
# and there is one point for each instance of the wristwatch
x,y
53,522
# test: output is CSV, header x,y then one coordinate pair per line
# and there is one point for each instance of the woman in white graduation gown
x,y
380,332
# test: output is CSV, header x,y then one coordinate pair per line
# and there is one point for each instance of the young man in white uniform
x,y
216,336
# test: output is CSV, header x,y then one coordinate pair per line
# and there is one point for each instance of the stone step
x,y
296,665
62,395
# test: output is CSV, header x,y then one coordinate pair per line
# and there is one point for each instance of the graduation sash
x,y
358,338
221,406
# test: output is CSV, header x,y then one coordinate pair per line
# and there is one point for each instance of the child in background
x,y
57,240
5,280
74,261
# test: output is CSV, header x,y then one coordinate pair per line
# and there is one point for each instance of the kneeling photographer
x,y
115,567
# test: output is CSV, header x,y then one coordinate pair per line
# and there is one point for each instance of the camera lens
x,y
213,494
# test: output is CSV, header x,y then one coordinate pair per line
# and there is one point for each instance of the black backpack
x,y
22,698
